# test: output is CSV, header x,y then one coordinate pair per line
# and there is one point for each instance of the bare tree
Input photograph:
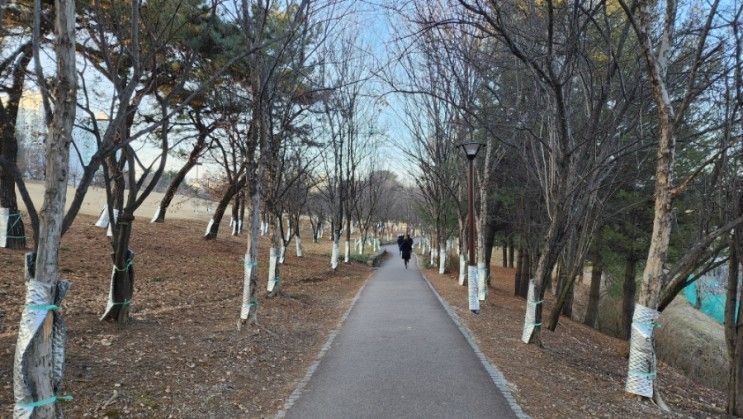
x,y
39,359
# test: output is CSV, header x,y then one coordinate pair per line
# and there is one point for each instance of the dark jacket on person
x,y
400,239
407,248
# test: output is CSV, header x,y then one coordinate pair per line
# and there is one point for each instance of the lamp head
x,y
471,149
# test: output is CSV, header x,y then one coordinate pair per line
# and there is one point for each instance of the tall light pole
x,y
470,150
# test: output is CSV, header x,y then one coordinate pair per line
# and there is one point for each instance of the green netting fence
x,y
707,294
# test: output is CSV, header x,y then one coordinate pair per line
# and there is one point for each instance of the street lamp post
x,y
470,150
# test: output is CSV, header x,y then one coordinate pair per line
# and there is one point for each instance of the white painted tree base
x,y
299,247
641,372
442,260
158,210
248,307
272,264
209,227
103,218
474,302
4,226
531,314
482,289
110,231
334,256
462,269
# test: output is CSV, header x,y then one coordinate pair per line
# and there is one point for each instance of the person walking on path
x,y
406,248
400,239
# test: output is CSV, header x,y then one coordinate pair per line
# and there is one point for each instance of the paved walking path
x,y
399,354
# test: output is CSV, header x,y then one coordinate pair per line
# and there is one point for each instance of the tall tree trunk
x,y
566,285
560,276
39,357
462,279
734,330
347,248
511,251
335,252
504,254
213,228
734,334
241,214
535,295
298,238
249,307
443,256
629,286
594,293
489,242
642,360
13,234
273,285
122,275
517,275
193,159
235,214
526,274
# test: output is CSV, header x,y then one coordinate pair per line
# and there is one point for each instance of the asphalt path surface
x,y
399,355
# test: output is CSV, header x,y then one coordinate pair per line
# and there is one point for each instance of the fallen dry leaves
x,y
579,372
181,356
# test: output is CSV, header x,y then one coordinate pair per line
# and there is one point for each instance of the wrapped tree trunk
x,y
442,256
432,253
12,231
273,285
122,275
642,361
249,307
335,252
535,293
485,242
39,357
298,244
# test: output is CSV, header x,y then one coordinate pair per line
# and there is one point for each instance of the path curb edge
x,y
297,393
495,374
